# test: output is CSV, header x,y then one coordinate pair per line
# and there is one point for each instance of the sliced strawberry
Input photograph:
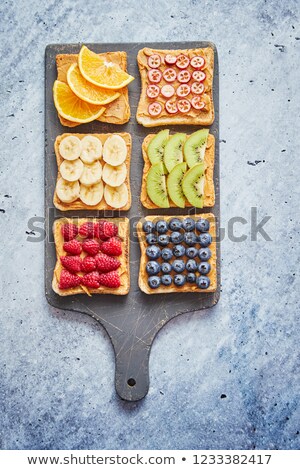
x,y
170,75
91,247
88,230
199,76
183,90
182,61
154,75
184,76
167,91
170,59
68,280
91,280
152,91
171,107
106,263
154,109
197,103
69,231
71,263
88,264
184,106
112,247
198,62
154,61
107,230
197,88
73,247
111,279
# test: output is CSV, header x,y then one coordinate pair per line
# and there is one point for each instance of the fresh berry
x,y
106,263
163,240
91,246
191,277
190,238
199,76
69,231
184,76
176,237
170,75
88,230
153,252
71,263
188,224
166,254
73,247
204,267
204,239
197,62
151,239
202,225
203,282
178,251
191,265
182,61
154,282
183,90
161,226
68,280
197,88
166,268
107,230
91,280
88,264
155,108
170,59
154,61
178,266
166,280
197,103
168,91
112,247
184,106
204,254
152,267
111,279
171,106
148,226
152,91
154,75
175,224
179,280
191,252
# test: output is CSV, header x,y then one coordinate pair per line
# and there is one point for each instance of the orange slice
x,y
101,72
86,91
70,107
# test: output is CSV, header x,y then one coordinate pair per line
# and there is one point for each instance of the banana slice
x,y
116,197
70,147
91,174
91,195
67,191
71,170
114,150
114,175
91,149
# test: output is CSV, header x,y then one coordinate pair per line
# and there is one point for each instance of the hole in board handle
x,y
131,382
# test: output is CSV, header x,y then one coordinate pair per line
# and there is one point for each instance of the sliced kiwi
x,y
193,185
157,145
173,153
156,185
194,147
174,181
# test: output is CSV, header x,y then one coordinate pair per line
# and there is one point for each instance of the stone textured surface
x,y
226,378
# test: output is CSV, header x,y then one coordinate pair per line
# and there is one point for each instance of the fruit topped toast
x,y
176,87
178,254
93,171
92,256
178,170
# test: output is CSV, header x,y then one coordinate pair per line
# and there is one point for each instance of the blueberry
x,y
202,225
178,265
191,277
175,224
166,280
163,240
204,239
191,265
166,268
179,280
151,239
203,282
152,267
190,238
191,252
161,226
204,254
178,251
176,237
148,226
166,254
204,267
188,224
154,282
153,252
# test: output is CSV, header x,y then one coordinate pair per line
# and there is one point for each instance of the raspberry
x,y
112,247
88,264
73,247
106,263
111,279
71,263
91,280
68,280
88,230
107,230
69,231
92,247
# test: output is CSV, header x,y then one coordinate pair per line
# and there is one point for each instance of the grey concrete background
x,y
227,378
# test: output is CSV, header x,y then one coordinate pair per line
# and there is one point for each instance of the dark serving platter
x,y
131,321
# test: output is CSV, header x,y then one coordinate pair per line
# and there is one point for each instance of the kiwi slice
x,y
194,147
156,185
157,145
174,180
173,153
193,185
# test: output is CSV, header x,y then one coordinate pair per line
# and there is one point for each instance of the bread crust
x,y
124,270
194,117
78,204
143,284
209,188
116,112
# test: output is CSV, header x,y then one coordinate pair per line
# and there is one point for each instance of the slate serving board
x,y
131,321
